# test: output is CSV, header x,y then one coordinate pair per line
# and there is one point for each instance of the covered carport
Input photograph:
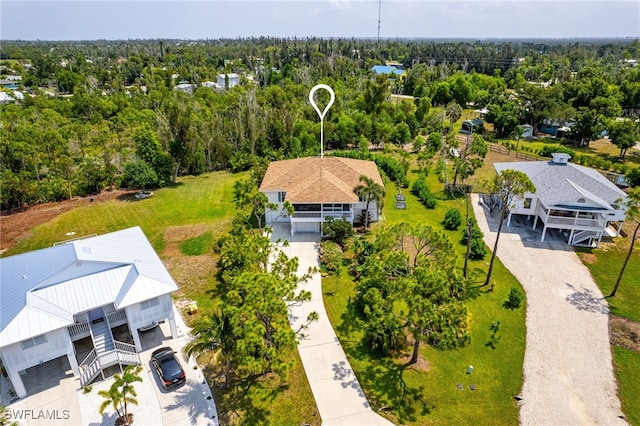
x,y
47,375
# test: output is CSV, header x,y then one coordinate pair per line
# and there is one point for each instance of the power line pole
x,y
379,10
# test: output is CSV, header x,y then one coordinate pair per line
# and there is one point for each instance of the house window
x,y
146,304
34,341
527,203
281,196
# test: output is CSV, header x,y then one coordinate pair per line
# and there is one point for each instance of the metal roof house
x,y
317,187
573,198
53,299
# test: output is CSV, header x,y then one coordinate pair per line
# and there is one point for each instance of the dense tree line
x,y
104,114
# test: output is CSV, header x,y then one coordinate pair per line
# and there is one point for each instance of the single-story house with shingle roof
x,y
57,300
573,198
318,188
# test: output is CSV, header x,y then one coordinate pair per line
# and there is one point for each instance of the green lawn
x,y
429,394
627,366
182,223
605,263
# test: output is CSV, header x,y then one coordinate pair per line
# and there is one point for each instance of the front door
x,y
95,315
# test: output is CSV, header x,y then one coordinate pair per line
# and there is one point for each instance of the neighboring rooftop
x,y
319,180
558,182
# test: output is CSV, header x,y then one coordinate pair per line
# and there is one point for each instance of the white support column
x,y
136,340
17,383
509,220
73,362
544,232
571,237
619,227
535,222
173,326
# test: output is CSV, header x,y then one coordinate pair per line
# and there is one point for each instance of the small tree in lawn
x,y
122,393
510,186
139,174
633,213
214,333
369,191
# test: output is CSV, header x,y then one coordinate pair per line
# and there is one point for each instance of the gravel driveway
x,y
568,371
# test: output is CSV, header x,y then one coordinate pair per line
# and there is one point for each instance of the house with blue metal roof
x,y
74,295
577,200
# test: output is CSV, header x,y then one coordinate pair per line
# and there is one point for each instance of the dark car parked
x,y
168,367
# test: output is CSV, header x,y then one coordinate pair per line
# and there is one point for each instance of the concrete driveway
x,y
568,370
336,390
64,403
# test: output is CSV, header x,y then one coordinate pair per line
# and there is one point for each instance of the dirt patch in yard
x,y
16,224
184,232
624,332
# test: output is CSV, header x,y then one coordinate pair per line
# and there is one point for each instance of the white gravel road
x,y
568,371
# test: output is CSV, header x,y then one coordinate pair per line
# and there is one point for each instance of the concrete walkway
x,y
338,394
568,371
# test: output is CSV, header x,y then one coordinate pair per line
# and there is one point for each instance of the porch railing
x,y
309,215
117,318
124,347
577,222
79,329
93,364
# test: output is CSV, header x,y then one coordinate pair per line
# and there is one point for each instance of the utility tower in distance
x,y
379,10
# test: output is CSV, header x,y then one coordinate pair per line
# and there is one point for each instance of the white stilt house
x,y
51,299
569,197
318,188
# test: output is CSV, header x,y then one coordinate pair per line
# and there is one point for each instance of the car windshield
x,y
170,368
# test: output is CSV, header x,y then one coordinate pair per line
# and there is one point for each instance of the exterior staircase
x,y
579,238
102,338
106,353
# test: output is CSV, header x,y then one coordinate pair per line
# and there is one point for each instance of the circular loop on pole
x,y
313,102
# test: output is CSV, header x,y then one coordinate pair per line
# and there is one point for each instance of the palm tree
x,y
368,190
4,417
510,186
633,213
122,393
214,333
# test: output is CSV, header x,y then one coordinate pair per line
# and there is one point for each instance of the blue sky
x,y
479,19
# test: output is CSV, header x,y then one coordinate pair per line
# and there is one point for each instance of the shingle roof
x,y
319,180
558,183
41,290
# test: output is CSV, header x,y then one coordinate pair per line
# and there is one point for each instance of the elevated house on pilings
x,y
577,200
318,188
66,304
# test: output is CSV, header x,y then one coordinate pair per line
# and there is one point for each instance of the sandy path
x,y
568,371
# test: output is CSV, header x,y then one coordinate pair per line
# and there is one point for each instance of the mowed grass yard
x,y
428,393
183,223
604,264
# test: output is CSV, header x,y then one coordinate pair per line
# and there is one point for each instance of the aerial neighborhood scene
x,y
330,212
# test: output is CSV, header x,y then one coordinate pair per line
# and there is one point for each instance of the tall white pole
x,y
322,113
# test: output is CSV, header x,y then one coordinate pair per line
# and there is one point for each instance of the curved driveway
x,y
336,390
568,371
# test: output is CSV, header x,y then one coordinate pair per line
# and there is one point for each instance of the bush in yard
x,y
452,219
633,176
421,190
478,249
337,230
515,298
330,256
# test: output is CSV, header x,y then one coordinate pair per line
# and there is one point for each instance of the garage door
x,y
307,227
